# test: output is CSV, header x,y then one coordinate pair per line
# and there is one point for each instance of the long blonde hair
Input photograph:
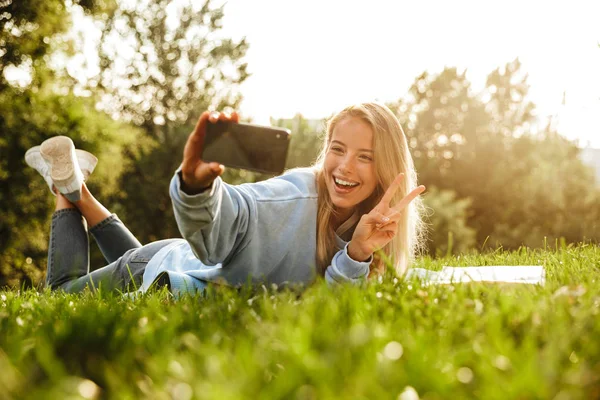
x,y
391,157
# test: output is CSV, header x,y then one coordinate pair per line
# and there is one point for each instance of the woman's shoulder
x,y
301,177
294,184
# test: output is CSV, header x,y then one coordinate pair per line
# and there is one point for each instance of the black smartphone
x,y
252,147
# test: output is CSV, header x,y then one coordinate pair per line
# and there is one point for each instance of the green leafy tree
x,y
482,147
448,230
306,141
171,63
32,111
532,174
441,118
556,199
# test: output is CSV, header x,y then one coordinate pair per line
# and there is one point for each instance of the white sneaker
x,y
87,162
54,160
34,159
59,153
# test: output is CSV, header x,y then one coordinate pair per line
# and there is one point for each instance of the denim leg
x,y
68,251
125,274
114,276
113,238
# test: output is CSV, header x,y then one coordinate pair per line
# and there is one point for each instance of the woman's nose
x,y
346,166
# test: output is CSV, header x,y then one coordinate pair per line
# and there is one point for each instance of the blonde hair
x,y
391,157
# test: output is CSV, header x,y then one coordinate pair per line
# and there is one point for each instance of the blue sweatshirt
x,y
256,233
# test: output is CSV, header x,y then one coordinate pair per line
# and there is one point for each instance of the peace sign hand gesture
x,y
378,227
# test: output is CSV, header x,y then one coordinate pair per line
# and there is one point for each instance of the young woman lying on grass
x,y
328,220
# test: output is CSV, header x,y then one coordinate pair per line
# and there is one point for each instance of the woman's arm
x,y
345,269
212,216
216,221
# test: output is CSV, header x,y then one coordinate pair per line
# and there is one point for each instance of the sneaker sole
x,y
59,152
87,161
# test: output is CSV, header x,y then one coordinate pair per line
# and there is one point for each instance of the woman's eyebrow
x,y
343,144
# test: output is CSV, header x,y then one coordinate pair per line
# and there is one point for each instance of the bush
x,y
449,233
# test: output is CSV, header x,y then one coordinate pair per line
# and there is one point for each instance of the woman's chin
x,y
343,206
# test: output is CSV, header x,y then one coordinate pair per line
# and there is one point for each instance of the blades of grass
x,y
131,276
484,242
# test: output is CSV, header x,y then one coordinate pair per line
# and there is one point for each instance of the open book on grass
x,y
532,274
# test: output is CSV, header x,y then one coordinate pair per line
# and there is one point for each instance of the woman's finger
x,y
230,117
389,228
195,142
211,172
391,191
223,117
408,198
377,218
392,216
214,116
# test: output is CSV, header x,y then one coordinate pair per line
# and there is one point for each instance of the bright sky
x,y
317,56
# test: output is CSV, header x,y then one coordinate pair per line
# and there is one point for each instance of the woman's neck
x,y
344,225
339,217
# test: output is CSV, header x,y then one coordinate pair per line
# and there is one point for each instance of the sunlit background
x,y
314,57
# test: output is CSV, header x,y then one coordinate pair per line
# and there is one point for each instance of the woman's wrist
x,y
189,189
356,253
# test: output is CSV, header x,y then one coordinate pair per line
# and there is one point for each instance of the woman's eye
x,y
366,158
336,149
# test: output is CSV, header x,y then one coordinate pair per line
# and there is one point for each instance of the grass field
x,y
388,340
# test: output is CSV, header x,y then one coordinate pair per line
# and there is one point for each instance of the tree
x,y
161,76
31,112
448,230
439,116
555,199
482,147
306,142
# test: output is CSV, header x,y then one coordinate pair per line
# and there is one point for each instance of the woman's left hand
x,y
378,227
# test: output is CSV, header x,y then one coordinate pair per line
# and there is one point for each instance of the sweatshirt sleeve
x,y
215,222
345,269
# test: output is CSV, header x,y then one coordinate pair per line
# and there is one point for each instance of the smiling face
x,y
349,165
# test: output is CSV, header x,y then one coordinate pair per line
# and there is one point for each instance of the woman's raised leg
x,y
68,250
68,254
111,235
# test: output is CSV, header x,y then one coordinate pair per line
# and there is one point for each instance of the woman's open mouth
x,y
343,186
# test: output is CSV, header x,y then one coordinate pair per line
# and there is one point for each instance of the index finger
x,y
391,191
196,139
409,197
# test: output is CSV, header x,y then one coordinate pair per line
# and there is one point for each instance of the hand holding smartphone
x,y
252,147
219,139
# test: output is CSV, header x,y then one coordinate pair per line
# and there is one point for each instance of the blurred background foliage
x,y
493,180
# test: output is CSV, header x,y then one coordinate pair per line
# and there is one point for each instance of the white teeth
x,y
344,183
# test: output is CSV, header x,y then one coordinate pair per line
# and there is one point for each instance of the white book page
x,y
532,274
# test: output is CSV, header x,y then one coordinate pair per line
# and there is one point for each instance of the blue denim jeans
x,y
68,255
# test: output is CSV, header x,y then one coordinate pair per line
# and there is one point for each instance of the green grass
x,y
447,342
